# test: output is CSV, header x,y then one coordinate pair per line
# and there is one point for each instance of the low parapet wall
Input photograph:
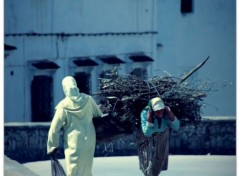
x,y
212,136
26,142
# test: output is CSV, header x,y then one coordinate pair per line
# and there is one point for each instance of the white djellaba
x,y
74,113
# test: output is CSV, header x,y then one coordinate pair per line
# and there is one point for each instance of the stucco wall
x,y
179,43
49,30
187,39
26,142
85,16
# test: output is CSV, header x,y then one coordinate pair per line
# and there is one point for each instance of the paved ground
x,y
180,165
13,168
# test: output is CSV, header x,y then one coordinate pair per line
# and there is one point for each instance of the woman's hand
x,y
169,112
150,118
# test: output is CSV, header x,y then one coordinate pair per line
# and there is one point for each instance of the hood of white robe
x,y
74,100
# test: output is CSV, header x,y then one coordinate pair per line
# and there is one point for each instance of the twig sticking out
x,y
194,70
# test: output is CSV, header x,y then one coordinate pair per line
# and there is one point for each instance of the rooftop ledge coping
x,y
47,124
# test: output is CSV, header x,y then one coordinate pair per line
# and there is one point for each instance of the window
x,y
186,6
140,72
83,80
139,65
42,98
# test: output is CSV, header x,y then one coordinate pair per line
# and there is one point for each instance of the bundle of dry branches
x,y
125,96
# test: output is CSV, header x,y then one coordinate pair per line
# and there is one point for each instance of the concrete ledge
x,y
219,118
29,124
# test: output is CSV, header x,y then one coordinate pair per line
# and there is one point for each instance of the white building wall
x,y
61,30
54,30
78,16
188,39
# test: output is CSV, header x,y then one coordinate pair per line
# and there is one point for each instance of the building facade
x,y
49,40
81,38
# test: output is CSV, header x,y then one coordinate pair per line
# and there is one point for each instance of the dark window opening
x,y
107,76
186,6
42,98
111,73
140,72
83,80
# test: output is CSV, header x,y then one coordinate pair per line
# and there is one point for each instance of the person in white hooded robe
x,y
74,113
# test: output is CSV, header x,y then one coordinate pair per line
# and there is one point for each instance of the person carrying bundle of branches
x,y
123,97
152,140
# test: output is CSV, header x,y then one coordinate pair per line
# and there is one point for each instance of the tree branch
x,y
186,76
